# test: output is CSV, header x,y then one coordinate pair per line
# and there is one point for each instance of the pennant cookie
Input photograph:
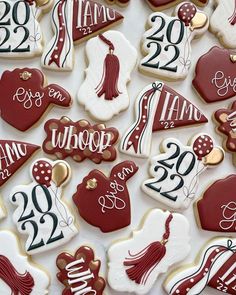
x,y
164,4
158,107
166,45
176,171
13,154
39,205
74,22
80,140
24,93
162,241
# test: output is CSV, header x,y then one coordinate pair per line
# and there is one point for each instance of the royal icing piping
x,y
162,241
111,60
40,212
158,107
162,4
176,171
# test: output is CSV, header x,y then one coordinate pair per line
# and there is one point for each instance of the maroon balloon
x,y
42,172
202,146
186,13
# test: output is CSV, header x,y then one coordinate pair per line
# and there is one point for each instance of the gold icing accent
x,y
199,21
60,173
91,184
215,157
233,57
25,75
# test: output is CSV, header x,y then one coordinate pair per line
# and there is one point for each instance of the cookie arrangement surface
x,y
130,106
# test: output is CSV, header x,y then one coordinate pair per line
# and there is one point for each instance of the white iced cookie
x,y
20,33
223,22
40,212
176,170
135,264
2,211
215,268
166,45
111,60
18,275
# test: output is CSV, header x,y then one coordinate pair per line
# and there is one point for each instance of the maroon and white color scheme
x,y
119,2
163,4
109,203
13,154
215,268
158,107
74,21
23,92
217,207
215,78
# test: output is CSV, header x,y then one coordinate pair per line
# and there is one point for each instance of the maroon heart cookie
x,y
23,93
162,4
104,201
215,78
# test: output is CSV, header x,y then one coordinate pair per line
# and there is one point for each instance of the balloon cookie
x,y
216,82
166,45
24,93
111,60
80,272
226,119
216,210
158,107
176,170
21,36
135,263
223,22
74,22
109,203
40,213
164,4
80,140
215,268
13,154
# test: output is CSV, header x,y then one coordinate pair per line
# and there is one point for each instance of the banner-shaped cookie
x,y
158,107
80,140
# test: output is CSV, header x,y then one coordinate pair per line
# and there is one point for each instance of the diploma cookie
x,y
216,210
73,22
223,22
215,75
21,36
135,264
80,140
158,107
176,170
109,203
40,213
215,268
13,154
24,93
111,60
226,120
18,275
164,4
166,45
80,272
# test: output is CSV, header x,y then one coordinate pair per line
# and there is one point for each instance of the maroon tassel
x,y
232,19
111,69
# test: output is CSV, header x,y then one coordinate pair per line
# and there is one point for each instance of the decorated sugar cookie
x,y
13,154
18,275
109,203
158,107
2,211
166,45
24,93
80,272
215,75
80,140
119,2
111,60
214,268
40,212
73,22
226,119
216,210
223,22
20,35
164,4
176,170
135,263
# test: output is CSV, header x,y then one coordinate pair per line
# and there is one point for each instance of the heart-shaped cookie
x,y
104,201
